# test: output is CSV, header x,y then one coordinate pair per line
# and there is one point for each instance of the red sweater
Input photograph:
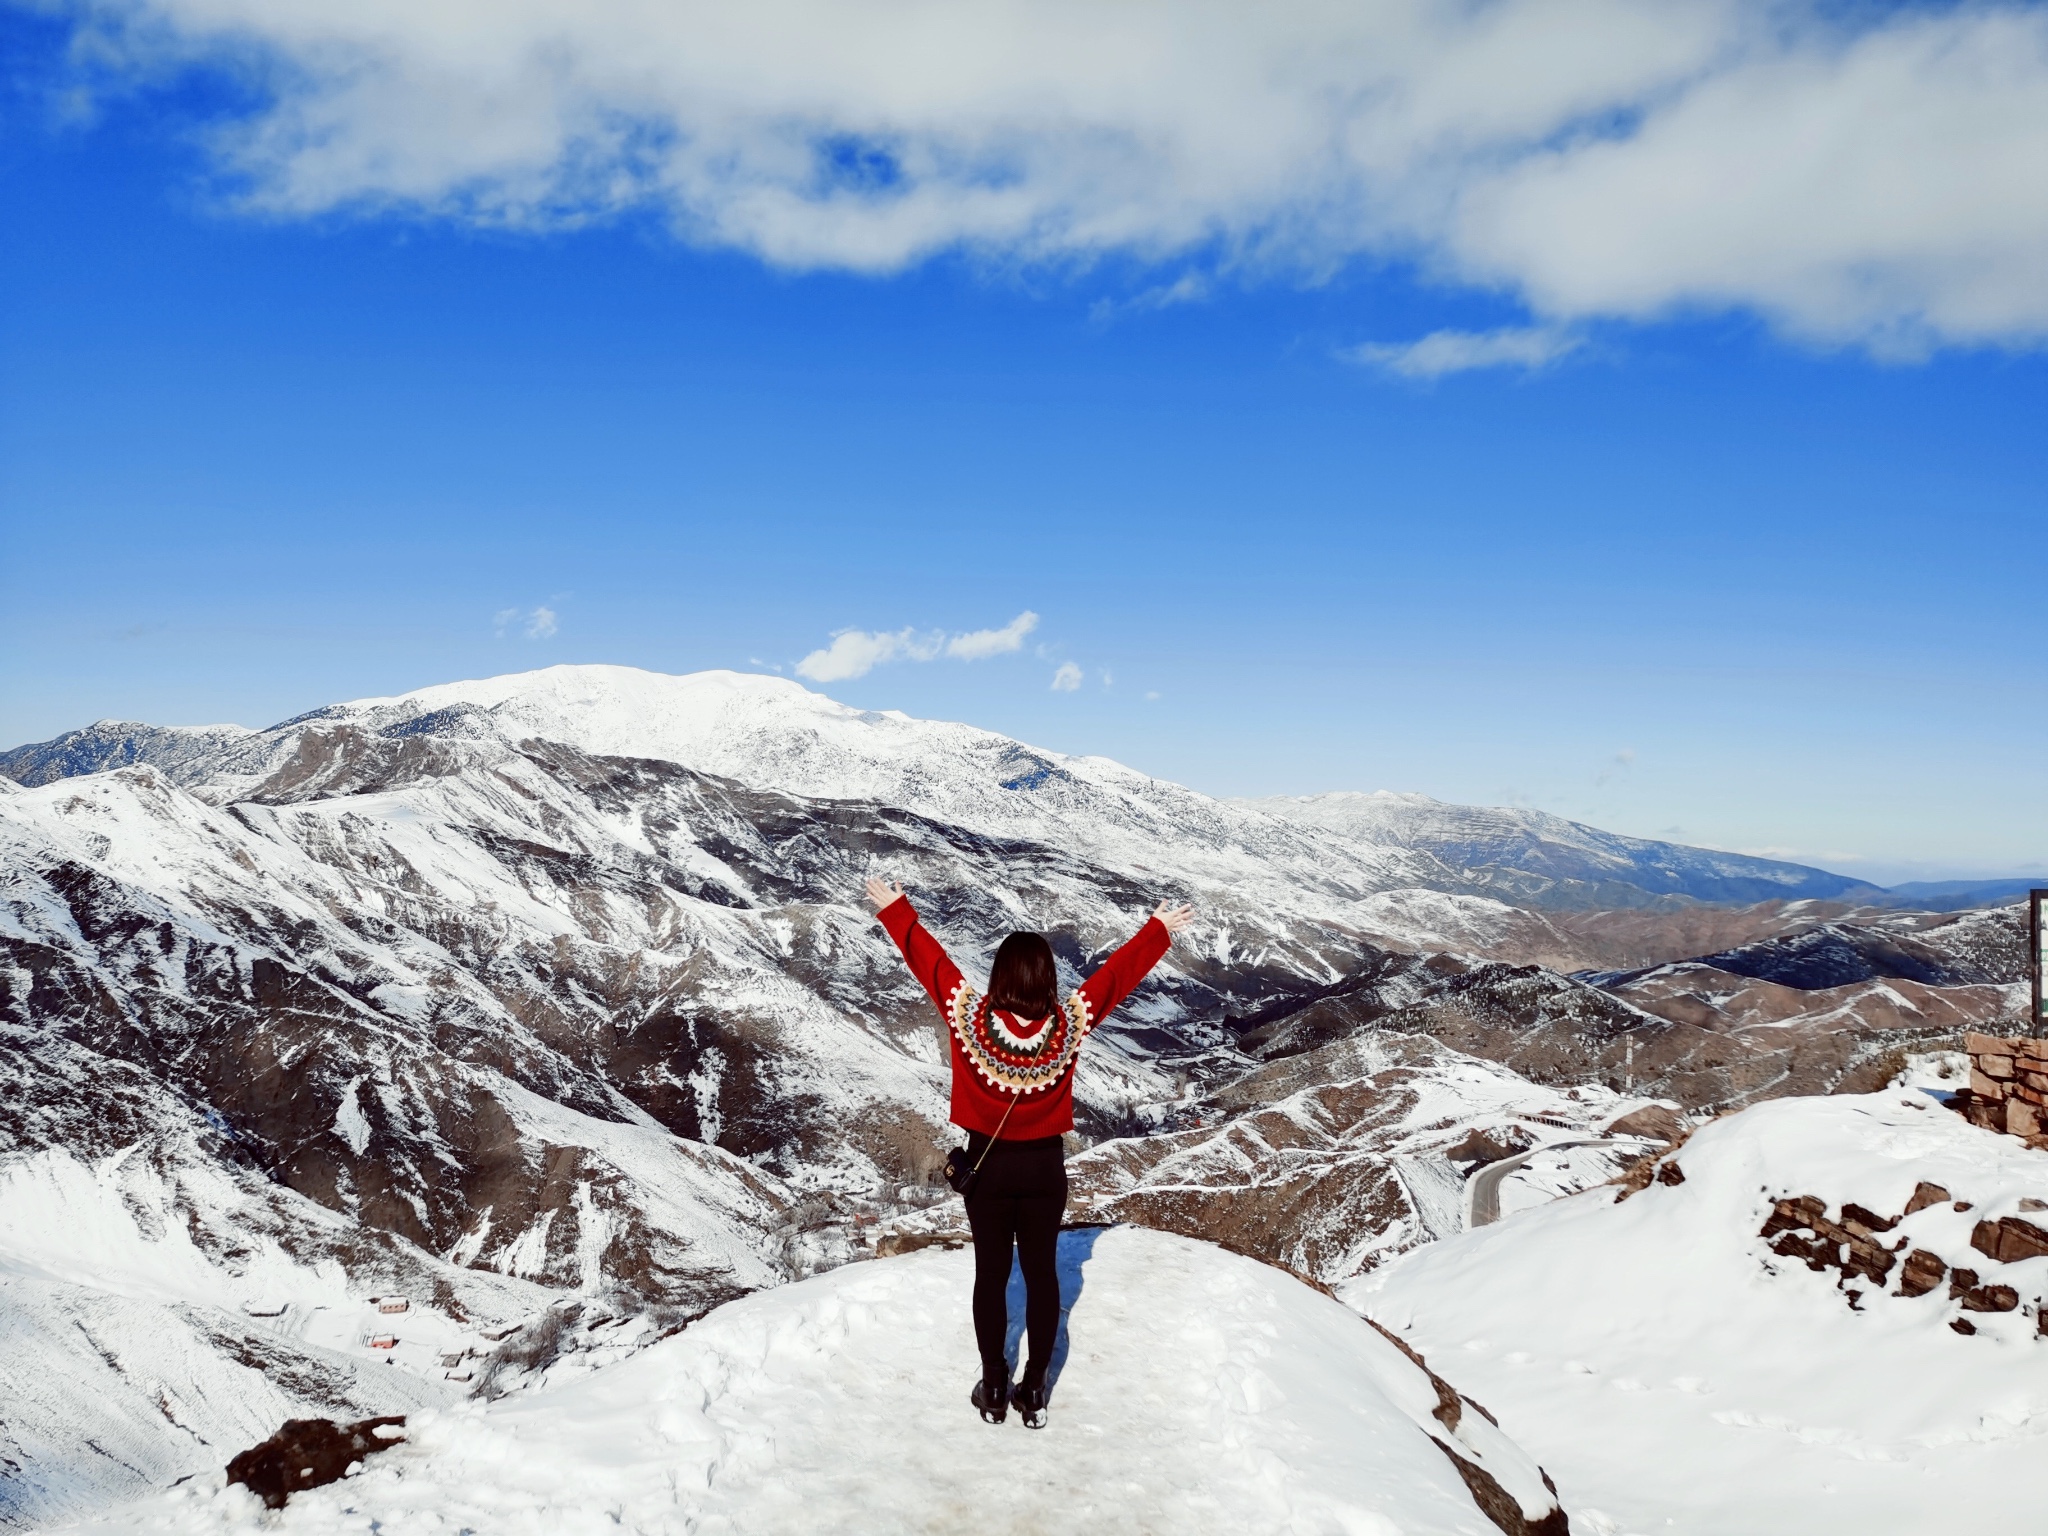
x,y
978,1100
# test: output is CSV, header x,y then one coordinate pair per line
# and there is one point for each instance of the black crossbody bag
x,y
962,1177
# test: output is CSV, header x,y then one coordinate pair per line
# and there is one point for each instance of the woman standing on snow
x,y
1013,1056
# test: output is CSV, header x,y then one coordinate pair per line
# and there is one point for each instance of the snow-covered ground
x,y
158,1314
1676,1376
1196,1392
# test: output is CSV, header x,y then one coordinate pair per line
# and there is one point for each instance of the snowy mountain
x,y
1536,859
544,1002
1890,979
836,1404
1803,1325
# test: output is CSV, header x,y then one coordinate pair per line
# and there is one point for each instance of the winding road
x,y
1482,1190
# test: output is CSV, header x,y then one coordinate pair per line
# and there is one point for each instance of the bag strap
x,y
999,1131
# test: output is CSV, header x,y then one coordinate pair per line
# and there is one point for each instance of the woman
x,y
1013,1056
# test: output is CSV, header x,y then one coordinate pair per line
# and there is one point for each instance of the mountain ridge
x,y
774,733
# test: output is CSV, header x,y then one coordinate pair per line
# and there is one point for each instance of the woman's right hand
x,y
882,892
1174,918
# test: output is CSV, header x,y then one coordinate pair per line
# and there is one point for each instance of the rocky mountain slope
x,y
1906,979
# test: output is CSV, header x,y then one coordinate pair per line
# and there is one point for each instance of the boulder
x,y
307,1453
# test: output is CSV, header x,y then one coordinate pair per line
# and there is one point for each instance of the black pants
x,y
1017,1203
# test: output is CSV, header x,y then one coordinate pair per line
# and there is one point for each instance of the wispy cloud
x,y
1188,288
980,643
1621,762
857,652
534,623
1867,174
1067,679
1447,352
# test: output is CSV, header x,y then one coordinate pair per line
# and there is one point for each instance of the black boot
x,y
1030,1399
991,1396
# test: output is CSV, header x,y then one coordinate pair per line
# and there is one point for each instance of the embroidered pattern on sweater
x,y
1015,1063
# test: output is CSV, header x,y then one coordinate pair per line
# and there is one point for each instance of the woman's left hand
x,y
1173,918
882,892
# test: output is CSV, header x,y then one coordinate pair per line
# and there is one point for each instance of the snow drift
x,y
1195,1391
1681,1372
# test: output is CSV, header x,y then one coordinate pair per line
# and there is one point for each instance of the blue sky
x,y
1746,560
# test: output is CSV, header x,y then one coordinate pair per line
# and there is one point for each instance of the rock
x,y
2022,1118
1984,1087
1962,1325
2029,1203
1490,1146
1864,1223
1671,1173
307,1453
1924,1195
1922,1273
2010,1240
1846,1246
1990,1298
1994,1066
1987,1113
1963,1287
1653,1120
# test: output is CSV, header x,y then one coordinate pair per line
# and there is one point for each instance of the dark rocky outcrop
x,y
307,1453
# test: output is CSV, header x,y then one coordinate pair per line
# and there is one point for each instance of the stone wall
x,y
2008,1086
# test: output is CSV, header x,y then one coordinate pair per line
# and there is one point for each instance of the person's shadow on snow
x,y
1077,1246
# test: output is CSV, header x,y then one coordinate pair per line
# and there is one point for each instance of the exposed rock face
x,y
1855,1244
307,1453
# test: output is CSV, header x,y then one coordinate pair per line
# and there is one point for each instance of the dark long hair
x,y
1024,981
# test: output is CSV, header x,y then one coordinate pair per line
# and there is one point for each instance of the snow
x,y
1196,1392
772,733
1675,1376
132,1355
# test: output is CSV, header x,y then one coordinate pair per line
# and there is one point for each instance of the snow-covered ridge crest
x,y
1195,1391
771,732
1530,855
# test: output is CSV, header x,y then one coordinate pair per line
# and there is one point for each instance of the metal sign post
x,y
2037,962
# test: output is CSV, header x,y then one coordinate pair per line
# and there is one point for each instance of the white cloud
x,y
1067,679
1857,173
856,652
1442,352
536,624
981,643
